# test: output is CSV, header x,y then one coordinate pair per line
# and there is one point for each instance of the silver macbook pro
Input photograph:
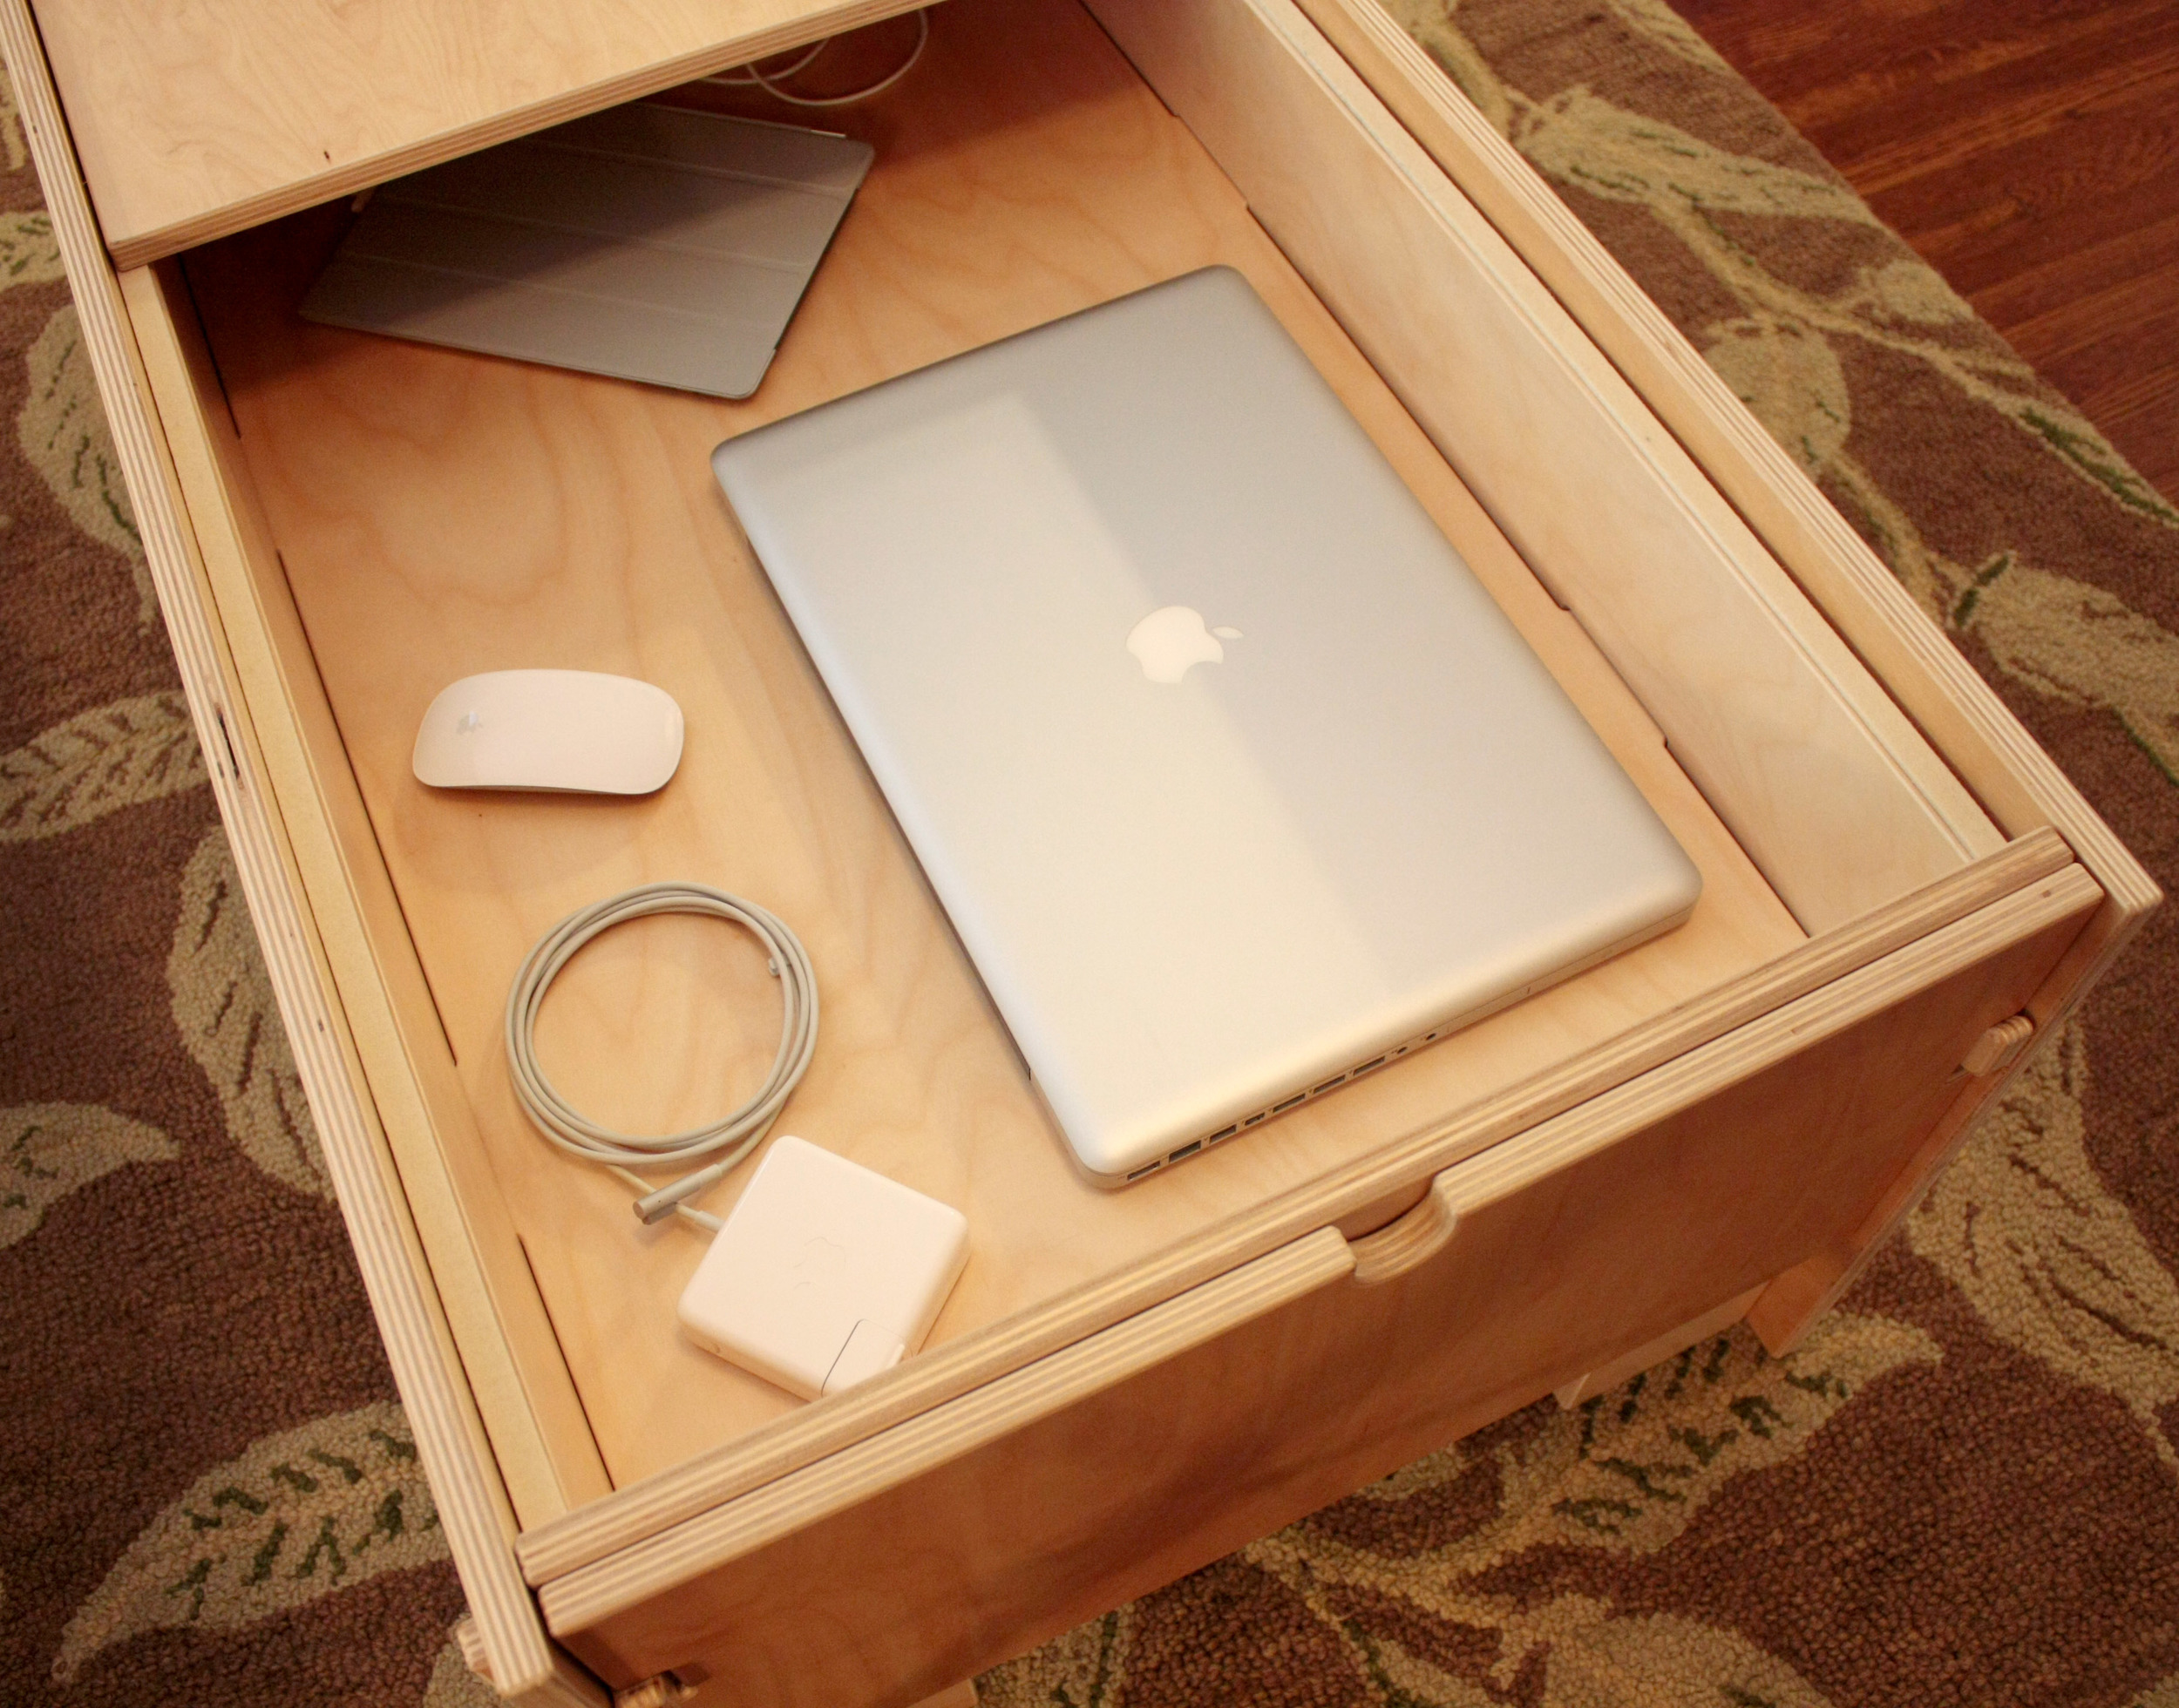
x,y
1233,780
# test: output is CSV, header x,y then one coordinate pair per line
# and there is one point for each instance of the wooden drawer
x,y
1125,1386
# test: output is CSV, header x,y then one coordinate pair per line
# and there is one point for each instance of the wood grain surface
x,y
1383,1189
2013,778
493,1309
1578,1173
194,121
1152,1449
2029,149
1778,723
471,1500
439,514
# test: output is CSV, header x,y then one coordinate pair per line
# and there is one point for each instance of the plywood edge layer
x,y
472,1507
642,1508
549,1467
2066,895
135,239
2010,775
947,1431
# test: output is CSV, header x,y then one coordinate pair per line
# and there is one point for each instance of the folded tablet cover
x,y
647,242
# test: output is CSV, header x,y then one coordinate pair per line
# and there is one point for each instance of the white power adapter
x,y
825,1274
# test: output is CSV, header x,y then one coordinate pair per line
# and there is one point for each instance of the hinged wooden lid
x,y
191,122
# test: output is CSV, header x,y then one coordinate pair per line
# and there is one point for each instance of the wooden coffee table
x,y
1902,893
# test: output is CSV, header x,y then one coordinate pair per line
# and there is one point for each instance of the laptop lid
x,y
1227,770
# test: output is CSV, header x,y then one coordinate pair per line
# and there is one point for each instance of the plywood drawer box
x,y
1125,1385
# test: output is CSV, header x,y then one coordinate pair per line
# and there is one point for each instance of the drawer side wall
x,y
508,1350
470,1499
2015,782
1778,723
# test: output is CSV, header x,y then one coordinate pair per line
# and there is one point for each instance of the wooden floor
x,y
2028,148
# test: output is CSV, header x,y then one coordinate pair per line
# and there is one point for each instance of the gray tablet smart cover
x,y
649,242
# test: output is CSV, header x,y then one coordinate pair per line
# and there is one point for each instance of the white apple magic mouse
x,y
569,729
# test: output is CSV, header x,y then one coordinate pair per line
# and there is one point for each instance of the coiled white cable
x,y
738,1133
769,81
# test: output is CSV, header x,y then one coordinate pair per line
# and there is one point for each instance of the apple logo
x,y
820,1268
1172,639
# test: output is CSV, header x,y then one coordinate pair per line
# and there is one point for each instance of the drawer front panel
x,y
1566,1247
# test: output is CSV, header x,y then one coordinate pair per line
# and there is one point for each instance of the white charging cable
x,y
736,1135
769,81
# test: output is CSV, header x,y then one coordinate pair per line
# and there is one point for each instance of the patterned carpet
x,y
1964,1490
